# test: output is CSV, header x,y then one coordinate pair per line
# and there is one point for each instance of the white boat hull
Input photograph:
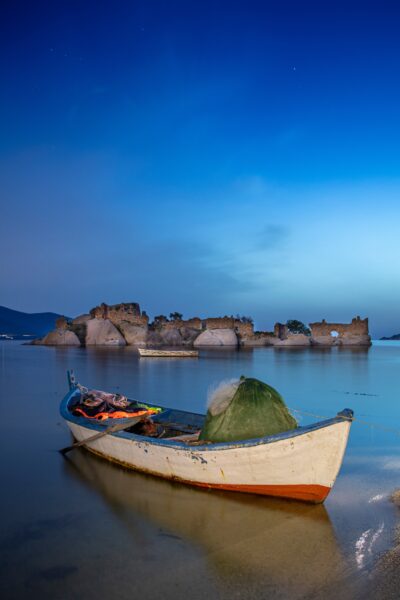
x,y
303,466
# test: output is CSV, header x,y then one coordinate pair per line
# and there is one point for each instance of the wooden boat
x,y
168,353
299,464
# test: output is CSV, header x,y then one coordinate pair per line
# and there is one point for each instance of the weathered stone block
x,y
355,340
220,323
101,332
259,339
154,338
133,334
60,337
171,337
324,340
295,339
116,313
244,330
217,337
188,334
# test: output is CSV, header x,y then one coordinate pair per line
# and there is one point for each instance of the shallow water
x,y
82,528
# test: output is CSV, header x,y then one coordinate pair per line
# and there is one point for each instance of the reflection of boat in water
x,y
301,463
273,542
168,353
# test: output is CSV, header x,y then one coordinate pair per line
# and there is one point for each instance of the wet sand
x,y
385,578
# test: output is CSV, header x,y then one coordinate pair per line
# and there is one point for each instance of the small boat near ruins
x,y
300,464
168,353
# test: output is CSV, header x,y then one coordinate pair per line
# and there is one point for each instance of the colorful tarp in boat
x,y
99,405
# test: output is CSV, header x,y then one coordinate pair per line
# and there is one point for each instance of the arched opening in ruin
x,y
334,333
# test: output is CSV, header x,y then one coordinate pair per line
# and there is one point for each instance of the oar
x,y
112,429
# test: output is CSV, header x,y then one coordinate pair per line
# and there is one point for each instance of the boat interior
x,y
177,425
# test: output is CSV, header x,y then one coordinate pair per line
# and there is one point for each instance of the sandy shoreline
x,y
385,578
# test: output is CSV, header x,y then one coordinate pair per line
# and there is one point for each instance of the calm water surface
x,y
82,528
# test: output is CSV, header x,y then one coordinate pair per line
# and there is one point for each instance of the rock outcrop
x,y
154,339
216,337
171,337
60,337
178,332
121,324
294,339
188,335
79,327
323,340
133,334
101,332
258,339
354,340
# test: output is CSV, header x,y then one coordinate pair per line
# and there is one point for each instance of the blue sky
x,y
206,157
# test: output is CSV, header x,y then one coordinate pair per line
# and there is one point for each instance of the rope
x,y
308,414
360,421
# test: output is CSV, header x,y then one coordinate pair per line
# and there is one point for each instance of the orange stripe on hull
x,y
307,493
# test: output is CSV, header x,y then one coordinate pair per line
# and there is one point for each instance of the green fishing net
x,y
256,410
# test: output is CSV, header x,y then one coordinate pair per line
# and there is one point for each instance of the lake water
x,y
83,528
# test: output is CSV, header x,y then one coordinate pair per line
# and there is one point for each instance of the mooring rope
x,y
360,421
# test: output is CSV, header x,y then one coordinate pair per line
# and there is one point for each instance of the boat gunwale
x,y
345,415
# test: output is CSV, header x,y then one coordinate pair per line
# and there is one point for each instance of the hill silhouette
x,y
16,323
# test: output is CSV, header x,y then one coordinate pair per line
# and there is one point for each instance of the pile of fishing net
x,y
245,409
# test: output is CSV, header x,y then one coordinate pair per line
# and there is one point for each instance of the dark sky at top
x,y
207,157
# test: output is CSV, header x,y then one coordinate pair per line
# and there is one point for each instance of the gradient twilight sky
x,y
206,157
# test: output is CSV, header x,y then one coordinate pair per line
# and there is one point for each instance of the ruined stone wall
x,y
356,327
244,330
124,323
117,313
258,338
281,331
220,323
347,334
194,323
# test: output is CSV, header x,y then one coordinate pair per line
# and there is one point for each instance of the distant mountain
x,y
396,336
16,324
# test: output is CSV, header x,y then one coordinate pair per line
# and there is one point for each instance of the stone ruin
x,y
128,312
125,323
341,334
323,333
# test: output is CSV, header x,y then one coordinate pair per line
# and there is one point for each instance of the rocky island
x,y
125,324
